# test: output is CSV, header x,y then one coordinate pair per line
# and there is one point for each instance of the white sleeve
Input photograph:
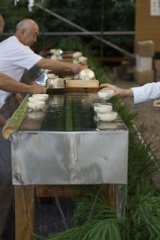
x,y
147,92
26,58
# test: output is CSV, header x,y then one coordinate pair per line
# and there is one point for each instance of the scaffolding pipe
x,y
78,33
85,30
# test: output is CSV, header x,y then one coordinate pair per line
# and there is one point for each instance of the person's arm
x,y
10,85
1,23
156,104
119,92
2,121
57,66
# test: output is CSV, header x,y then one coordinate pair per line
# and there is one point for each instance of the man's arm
x,y
119,92
10,85
57,66
2,121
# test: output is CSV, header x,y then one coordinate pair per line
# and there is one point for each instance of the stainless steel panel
x,y
66,145
70,157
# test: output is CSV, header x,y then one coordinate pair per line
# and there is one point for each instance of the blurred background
x,y
111,20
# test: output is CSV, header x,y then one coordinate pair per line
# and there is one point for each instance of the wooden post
x,y
110,192
146,26
24,212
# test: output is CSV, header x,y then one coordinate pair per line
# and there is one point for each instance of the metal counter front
x,y
66,144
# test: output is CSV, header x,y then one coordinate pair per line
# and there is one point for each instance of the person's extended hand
x,y
76,68
119,92
156,104
37,88
19,98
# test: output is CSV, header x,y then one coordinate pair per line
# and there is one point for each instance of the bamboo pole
x,y
13,124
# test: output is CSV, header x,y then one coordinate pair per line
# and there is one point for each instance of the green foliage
x,y
145,216
105,229
104,15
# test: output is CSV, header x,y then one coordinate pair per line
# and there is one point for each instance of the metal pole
x,y
84,30
102,26
77,33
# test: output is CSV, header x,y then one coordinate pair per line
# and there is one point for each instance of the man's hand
x,y
37,88
76,68
19,98
156,104
119,92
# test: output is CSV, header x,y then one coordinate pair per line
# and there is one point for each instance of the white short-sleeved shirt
x,y
14,59
147,92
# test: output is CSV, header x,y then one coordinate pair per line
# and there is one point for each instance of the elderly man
x,y
10,85
16,54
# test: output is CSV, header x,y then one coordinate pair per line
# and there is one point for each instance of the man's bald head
x,y
27,31
1,23
26,24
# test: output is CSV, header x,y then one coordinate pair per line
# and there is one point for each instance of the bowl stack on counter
x,y
37,102
79,58
104,111
75,57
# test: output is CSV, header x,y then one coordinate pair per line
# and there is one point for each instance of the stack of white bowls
x,y
37,101
104,112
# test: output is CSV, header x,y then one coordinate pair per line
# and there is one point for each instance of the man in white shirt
x,y
16,55
10,85
141,94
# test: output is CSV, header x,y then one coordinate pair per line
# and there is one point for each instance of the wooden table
x,y
62,147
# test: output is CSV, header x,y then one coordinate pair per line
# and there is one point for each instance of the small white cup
x,y
103,108
105,94
37,115
107,125
36,105
107,117
42,96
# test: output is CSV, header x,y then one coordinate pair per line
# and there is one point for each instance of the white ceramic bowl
x,y
86,74
39,105
82,59
105,94
32,99
96,118
77,54
106,125
42,96
51,75
103,108
101,104
36,114
107,117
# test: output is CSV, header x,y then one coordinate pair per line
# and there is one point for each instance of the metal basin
x,y
55,83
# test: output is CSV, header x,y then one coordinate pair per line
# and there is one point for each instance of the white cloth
x,y
147,92
14,59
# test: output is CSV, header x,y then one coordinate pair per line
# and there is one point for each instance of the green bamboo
x,y
13,124
68,114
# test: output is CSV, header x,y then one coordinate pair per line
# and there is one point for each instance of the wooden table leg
x,y
24,212
116,196
110,192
